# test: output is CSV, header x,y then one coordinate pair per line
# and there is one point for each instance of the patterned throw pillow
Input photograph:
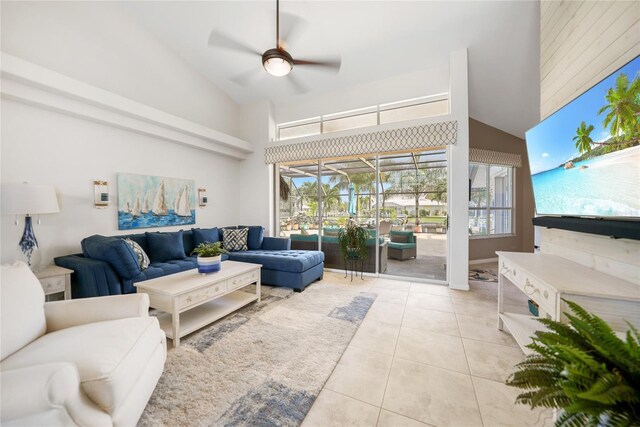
x,y
235,240
143,259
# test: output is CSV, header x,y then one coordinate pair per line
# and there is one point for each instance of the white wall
x,y
404,86
255,201
43,147
98,43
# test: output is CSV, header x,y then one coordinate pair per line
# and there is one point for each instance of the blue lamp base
x,y
28,242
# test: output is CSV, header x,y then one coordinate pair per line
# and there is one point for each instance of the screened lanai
x,y
401,198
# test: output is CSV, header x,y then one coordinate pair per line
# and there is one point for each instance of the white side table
x,y
55,279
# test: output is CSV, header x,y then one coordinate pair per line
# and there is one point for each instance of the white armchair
x,y
92,362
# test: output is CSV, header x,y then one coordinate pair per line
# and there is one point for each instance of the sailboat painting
x,y
146,201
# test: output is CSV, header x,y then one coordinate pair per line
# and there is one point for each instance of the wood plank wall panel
x,y
581,42
616,257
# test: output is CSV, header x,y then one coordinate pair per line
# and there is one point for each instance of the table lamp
x,y
28,199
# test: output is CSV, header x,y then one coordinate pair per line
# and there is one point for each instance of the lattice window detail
x,y
400,139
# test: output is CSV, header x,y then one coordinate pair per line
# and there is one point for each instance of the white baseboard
x,y
482,261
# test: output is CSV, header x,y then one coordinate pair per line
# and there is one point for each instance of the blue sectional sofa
x,y
108,265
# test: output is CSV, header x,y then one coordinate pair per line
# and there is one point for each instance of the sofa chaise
x,y
108,266
90,362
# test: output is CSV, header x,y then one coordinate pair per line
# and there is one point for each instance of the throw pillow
x,y
143,259
235,240
255,236
201,235
165,246
400,238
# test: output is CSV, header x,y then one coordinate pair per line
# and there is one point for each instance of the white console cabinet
x,y
548,279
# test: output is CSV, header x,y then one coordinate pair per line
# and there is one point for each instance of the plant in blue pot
x,y
209,256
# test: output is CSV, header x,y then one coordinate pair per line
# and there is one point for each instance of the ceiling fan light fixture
x,y
277,62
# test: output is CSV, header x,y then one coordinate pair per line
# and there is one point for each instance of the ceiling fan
x,y
276,61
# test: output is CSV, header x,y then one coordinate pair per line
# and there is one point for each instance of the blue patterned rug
x,y
264,365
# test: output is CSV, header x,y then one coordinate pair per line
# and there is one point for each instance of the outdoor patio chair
x,y
403,245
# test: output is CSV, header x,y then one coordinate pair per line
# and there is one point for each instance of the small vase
x,y
209,264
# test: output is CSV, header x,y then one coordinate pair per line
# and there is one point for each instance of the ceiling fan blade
x,y
290,28
247,78
329,65
296,84
217,39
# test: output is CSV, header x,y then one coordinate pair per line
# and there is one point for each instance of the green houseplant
x,y
583,369
209,256
352,241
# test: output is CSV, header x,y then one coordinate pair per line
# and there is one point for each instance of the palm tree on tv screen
x,y
583,137
622,108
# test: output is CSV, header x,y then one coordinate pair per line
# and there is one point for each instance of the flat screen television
x,y
585,158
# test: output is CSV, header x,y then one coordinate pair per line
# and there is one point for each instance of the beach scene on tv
x,y
585,158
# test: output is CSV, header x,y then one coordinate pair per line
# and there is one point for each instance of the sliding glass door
x,y
399,198
413,213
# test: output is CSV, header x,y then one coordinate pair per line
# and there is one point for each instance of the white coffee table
x,y
192,300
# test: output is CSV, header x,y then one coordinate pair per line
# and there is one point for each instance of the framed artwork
x,y
146,201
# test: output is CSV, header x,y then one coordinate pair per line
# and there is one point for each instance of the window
x,y
491,200
299,129
409,109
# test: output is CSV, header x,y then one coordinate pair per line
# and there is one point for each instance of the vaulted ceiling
x,y
376,40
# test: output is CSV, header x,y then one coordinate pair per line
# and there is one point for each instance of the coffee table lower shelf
x,y
195,318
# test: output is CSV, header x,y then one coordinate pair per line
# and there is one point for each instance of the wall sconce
x,y
100,194
202,197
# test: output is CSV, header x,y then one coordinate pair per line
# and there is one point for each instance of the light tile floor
x,y
426,356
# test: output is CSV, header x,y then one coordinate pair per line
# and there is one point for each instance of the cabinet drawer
x,y
201,295
243,280
52,285
540,293
535,290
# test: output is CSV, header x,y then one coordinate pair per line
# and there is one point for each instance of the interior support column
x,y
458,174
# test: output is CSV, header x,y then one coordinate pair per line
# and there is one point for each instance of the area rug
x,y
484,272
261,366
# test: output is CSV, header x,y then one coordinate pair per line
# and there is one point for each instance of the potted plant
x,y
584,370
209,256
352,241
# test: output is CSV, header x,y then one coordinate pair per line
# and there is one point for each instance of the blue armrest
x,y
276,244
91,277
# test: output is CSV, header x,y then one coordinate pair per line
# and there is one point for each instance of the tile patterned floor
x,y
426,356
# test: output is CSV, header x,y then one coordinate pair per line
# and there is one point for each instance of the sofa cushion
x,y
140,239
165,246
21,308
395,245
235,239
401,236
201,235
254,237
291,261
113,250
108,355
187,240
305,237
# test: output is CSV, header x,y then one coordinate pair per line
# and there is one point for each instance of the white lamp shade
x,y
22,199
